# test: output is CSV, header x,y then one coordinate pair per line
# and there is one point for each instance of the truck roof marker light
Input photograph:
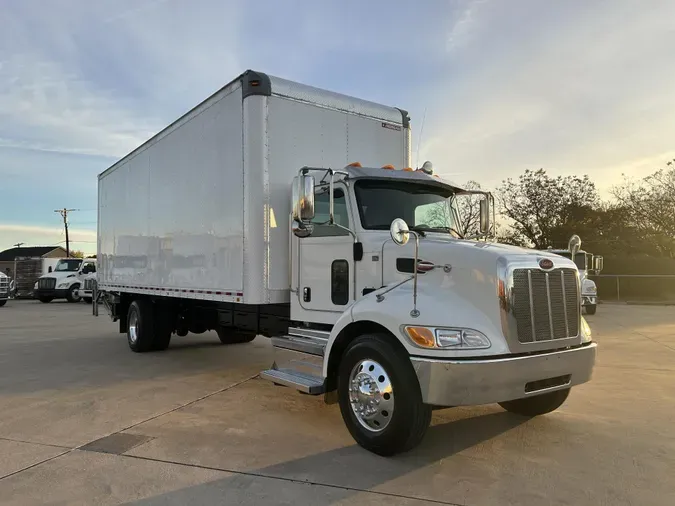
x,y
355,164
421,336
408,169
388,167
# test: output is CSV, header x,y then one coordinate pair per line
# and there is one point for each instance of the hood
x,y
461,254
59,275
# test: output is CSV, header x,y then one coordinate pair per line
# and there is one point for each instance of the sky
x,y
492,87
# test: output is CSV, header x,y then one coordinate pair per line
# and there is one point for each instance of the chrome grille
x,y
46,283
545,304
4,285
89,284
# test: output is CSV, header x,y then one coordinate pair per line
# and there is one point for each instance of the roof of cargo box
x,y
257,83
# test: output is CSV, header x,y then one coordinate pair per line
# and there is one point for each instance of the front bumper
x,y
589,300
50,292
471,382
83,293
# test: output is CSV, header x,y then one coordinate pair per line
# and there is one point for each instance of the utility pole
x,y
64,214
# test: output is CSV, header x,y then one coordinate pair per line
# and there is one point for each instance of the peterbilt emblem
x,y
546,263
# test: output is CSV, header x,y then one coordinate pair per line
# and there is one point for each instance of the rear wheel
x,y
537,405
380,397
3,302
72,295
591,309
87,300
46,300
229,336
140,326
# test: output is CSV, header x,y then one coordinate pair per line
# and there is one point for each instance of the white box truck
x,y
277,209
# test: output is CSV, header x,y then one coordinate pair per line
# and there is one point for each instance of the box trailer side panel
x,y
306,126
171,212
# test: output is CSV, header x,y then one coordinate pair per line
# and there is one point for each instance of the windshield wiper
x,y
451,230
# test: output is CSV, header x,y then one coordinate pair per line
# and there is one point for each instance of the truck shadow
x,y
346,472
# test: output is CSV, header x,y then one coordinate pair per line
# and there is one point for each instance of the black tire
x,y
538,405
72,296
87,300
3,302
229,336
164,326
591,309
411,417
46,300
140,326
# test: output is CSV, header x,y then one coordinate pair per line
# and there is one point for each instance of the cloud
x,y
570,87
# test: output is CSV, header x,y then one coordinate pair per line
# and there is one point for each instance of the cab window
x,y
322,212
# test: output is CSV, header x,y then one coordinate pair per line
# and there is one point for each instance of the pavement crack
x,y
34,443
35,464
293,480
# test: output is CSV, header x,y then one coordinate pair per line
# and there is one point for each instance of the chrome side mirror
x,y
400,233
484,216
303,198
598,264
574,245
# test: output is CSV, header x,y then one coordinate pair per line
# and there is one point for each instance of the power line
x,y
64,214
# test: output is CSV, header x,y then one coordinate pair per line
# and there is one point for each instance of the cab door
x,y
326,259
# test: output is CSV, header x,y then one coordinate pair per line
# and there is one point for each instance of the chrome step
x,y
311,346
309,333
306,383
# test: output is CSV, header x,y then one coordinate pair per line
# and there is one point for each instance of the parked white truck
x,y
61,283
587,264
87,279
4,288
354,270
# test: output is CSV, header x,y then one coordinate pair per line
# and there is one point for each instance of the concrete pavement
x,y
85,421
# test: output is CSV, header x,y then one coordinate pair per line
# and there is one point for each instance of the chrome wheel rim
x,y
371,395
133,327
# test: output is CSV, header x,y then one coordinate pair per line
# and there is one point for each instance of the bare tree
x,y
543,209
650,206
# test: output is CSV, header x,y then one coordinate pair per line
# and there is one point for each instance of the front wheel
x,y
591,309
3,302
73,295
46,300
380,397
537,405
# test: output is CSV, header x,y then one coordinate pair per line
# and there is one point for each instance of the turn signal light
x,y
421,336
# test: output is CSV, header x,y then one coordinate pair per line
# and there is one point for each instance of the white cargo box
x,y
201,210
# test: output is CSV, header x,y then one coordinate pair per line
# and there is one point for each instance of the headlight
x,y
586,335
593,289
447,338
35,286
64,285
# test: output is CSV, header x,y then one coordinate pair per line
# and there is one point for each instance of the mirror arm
x,y
415,313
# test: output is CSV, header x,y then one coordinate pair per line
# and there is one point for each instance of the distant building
x,y
7,257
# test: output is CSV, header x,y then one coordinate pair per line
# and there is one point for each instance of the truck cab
x,y
87,279
61,283
587,264
403,314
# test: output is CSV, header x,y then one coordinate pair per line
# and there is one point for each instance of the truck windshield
x,y
422,206
67,265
